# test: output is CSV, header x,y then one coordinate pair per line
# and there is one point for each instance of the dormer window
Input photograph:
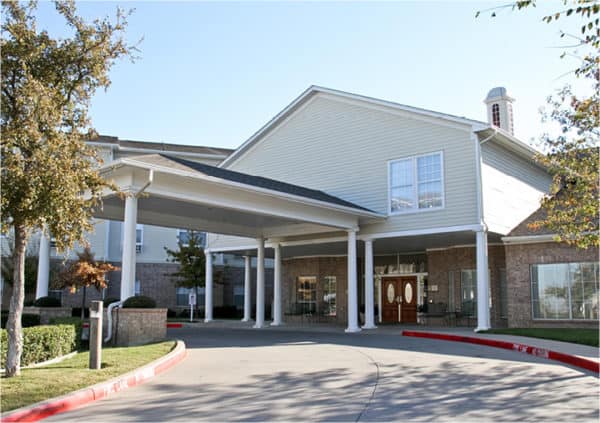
x,y
496,115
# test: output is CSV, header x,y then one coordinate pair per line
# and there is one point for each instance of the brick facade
x,y
448,263
519,259
318,267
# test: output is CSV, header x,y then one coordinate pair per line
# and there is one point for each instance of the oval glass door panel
x,y
391,293
408,293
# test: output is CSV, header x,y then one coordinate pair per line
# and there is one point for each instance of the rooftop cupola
x,y
499,109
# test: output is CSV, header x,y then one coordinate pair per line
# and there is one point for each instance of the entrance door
x,y
389,299
408,292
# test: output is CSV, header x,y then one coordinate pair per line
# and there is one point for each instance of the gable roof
x,y
178,164
313,90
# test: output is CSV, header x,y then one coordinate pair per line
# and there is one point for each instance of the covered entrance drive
x,y
170,192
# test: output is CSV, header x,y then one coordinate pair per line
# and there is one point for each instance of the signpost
x,y
192,301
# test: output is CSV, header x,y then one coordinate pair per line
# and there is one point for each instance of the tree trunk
x,y
83,303
13,325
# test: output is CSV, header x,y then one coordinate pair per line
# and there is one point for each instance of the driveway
x,y
246,374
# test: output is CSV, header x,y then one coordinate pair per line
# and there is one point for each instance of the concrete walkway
x,y
237,373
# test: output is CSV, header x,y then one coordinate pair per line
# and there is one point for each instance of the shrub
x,y
76,322
171,313
27,319
76,312
139,301
226,312
109,301
42,343
47,302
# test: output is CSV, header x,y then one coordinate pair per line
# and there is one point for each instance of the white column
x,y
277,317
128,257
483,285
247,290
43,273
369,294
208,288
352,284
260,284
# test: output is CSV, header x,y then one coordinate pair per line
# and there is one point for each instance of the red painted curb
x,y
174,325
84,396
572,360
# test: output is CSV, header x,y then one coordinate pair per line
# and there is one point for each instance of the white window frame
x,y
138,245
415,208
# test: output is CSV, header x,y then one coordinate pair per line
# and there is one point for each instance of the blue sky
x,y
214,73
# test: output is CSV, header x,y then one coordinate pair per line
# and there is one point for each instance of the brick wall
x,y
519,259
441,263
137,326
318,267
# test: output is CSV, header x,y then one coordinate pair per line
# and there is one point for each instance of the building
x,y
371,211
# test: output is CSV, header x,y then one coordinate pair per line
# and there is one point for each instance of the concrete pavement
x,y
323,374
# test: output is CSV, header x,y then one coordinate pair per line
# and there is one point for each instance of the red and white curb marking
x,y
572,360
84,396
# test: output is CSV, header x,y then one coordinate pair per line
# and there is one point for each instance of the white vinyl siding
x,y
343,149
416,184
512,187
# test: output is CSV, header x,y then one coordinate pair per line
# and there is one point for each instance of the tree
x,y
570,210
47,85
83,273
192,263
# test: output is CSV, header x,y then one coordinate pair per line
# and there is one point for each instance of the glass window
x,y
139,234
565,291
416,183
238,296
503,294
183,298
468,292
329,295
183,236
307,293
496,115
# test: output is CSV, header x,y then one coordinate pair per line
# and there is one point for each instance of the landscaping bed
x,y
576,336
42,383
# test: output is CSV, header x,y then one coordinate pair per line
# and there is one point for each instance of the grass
x,y
42,383
576,336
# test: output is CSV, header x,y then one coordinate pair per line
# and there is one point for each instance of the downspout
x,y
120,303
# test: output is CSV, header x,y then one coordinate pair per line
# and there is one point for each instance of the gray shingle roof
x,y
243,178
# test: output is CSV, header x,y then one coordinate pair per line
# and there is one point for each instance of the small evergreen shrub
x,y
139,301
42,343
76,312
76,322
27,319
171,313
109,301
226,312
47,302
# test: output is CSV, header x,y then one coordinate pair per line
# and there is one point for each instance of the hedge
x,y
47,302
139,301
42,343
27,319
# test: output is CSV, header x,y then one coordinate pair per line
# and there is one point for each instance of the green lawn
x,y
42,383
576,336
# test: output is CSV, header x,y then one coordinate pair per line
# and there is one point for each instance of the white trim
x,y
528,239
427,231
246,187
414,162
495,244
363,101
314,256
478,177
156,151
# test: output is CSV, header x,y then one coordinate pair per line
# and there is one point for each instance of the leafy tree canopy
x,y
570,210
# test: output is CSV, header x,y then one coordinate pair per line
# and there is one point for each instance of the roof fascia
x,y
154,151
